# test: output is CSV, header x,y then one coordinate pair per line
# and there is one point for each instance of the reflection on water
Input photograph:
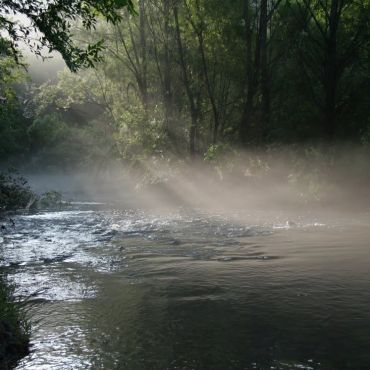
x,y
133,290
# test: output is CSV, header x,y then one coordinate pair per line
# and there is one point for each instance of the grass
x,y
14,328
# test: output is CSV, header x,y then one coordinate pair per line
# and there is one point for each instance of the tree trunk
x,y
249,84
167,81
143,54
265,86
331,73
216,121
193,110
199,32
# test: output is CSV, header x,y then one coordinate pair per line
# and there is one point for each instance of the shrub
x,y
14,192
14,328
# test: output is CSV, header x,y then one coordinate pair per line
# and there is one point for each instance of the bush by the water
x,y
50,199
14,328
14,192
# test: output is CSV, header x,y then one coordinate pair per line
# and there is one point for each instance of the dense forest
x,y
194,79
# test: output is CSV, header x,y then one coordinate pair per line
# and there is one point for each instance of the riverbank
x,y
14,328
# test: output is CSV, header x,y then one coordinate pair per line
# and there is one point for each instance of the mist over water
x,y
195,272
285,181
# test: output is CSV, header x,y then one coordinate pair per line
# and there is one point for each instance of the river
x,y
131,289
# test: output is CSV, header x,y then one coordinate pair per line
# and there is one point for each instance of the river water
x,y
131,289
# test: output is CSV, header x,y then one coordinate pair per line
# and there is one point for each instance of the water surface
x,y
130,289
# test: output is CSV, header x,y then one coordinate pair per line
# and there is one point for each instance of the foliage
x,y
14,328
53,22
15,194
154,102
50,199
216,151
47,130
57,143
13,124
14,191
202,79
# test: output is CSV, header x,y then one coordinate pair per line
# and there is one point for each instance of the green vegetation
x,y
13,124
185,79
14,328
14,192
193,81
53,23
184,76
41,25
50,199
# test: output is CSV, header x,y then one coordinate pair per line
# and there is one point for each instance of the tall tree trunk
x,y
210,91
199,32
193,110
332,62
249,79
143,56
265,86
331,72
167,81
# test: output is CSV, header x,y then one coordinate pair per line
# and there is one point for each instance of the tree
x,y
336,34
194,109
49,24
13,124
197,76
259,23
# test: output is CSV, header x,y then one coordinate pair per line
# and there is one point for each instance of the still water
x,y
130,289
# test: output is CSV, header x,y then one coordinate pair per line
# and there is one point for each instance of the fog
x,y
250,187
42,70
